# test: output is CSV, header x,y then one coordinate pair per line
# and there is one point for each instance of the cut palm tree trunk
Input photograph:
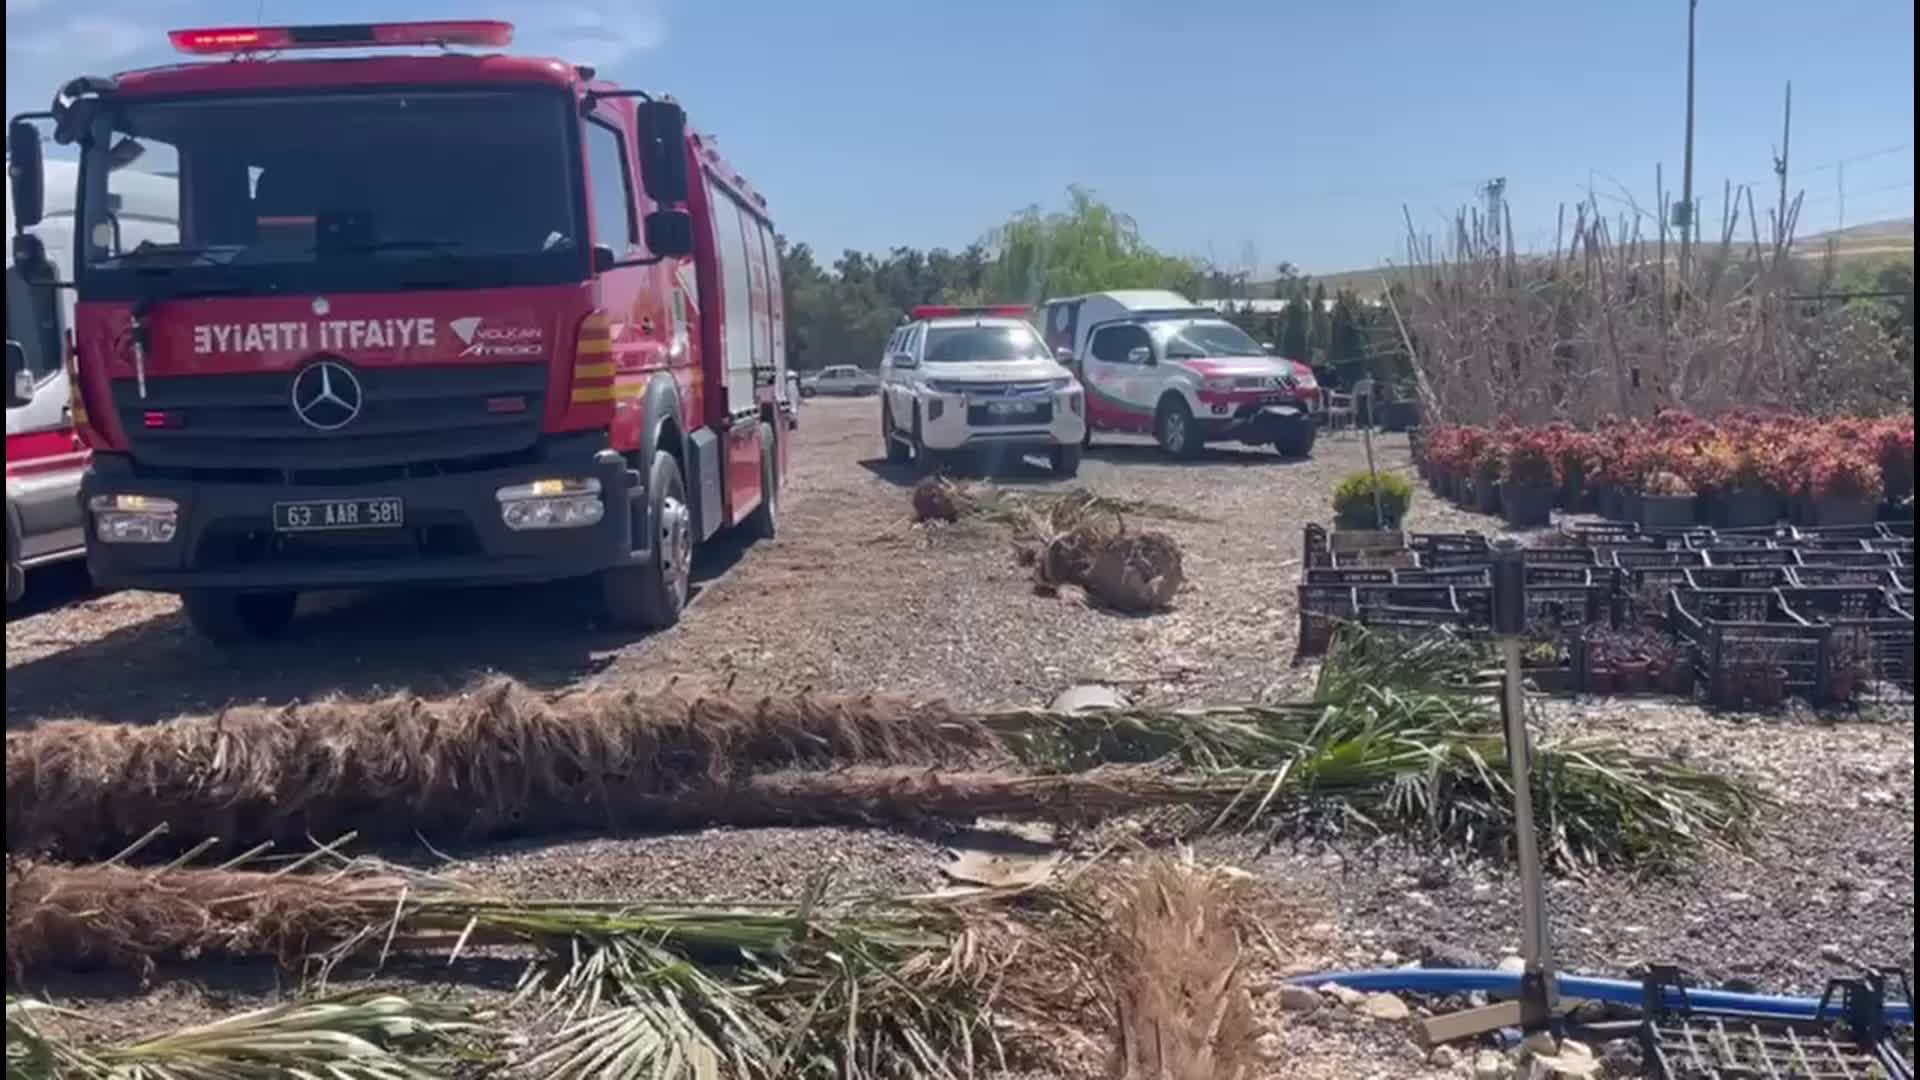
x,y
498,761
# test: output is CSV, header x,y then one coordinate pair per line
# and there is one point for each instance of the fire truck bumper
x,y
449,529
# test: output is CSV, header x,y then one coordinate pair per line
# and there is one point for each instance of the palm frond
x,y
361,1036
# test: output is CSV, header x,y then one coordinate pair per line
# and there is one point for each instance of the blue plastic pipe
x,y
1614,991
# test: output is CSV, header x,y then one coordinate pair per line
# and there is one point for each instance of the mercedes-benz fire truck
x,y
441,316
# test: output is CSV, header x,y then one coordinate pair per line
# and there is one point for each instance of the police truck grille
x,y
407,416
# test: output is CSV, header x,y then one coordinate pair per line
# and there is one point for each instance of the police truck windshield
x,y
333,191
973,344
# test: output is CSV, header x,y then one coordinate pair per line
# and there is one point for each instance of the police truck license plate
x,y
1013,408
320,515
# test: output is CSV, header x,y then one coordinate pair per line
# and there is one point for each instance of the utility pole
x,y
1843,198
1683,213
1495,190
1780,166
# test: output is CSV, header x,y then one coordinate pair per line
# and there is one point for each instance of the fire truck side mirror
x,y
26,173
669,233
663,162
19,379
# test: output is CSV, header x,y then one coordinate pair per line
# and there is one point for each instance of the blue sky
x,y
1244,131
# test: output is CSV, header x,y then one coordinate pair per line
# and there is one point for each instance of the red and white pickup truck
x,y
1154,362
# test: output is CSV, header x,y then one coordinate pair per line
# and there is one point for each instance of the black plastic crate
x,y
1559,556
1446,558
1625,532
1885,560
1849,1036
1899,529
1701,542
1565,605
1806,577
1725,556
1455,541
1633,560
1446,575
1326,575
1555,574
1879,627
1749,645
1836,532
1408,596
1739,577
1323,610
1364,560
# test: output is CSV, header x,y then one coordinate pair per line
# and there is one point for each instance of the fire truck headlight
x,y
134,519
551,504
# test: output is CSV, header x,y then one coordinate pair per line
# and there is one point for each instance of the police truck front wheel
x,y
1066,460
898,452
651,594
227,617
1296,441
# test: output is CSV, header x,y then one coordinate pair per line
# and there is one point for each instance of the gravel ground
x,y
849,597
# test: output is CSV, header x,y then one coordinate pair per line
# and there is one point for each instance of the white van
x,y
1154,362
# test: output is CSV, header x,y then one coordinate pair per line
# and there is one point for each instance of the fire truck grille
x,y
408,416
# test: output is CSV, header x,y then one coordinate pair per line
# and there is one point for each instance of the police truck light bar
x,y
248,39
948,311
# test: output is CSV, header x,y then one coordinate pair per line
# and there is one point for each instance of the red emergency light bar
x,y
948,311
246,39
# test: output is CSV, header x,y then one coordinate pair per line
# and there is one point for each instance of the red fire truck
x,y
440,317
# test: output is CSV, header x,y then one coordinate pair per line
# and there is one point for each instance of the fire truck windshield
x,y
335,190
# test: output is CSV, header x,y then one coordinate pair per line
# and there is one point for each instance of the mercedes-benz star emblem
x,y
326,395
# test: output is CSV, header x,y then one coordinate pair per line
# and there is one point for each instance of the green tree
x,y
1085,248
1296,328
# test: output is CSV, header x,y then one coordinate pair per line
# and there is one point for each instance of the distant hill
x,y
1877,239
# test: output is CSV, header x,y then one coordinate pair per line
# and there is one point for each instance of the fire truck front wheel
x,y
228,617
651,594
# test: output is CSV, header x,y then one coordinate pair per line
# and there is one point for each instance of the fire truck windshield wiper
x,y
422,244
148,250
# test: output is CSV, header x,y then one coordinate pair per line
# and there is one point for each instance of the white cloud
x,y
598,32
98,38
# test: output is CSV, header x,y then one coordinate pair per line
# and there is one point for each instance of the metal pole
x,y
1686,180
1540,991
1363,393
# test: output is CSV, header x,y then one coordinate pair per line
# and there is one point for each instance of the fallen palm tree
x,y
939,498
360,1036
501,760
1425,759
902,987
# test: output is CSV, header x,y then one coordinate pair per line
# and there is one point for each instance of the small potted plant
x,y
1667,501
1846,486
1529,480
1366,501
1545,664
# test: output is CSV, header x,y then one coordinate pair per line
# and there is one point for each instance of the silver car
x,y
841,380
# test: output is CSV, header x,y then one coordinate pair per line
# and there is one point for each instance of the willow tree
x,y
1087,247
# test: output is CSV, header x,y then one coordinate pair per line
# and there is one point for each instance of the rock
x,y
1492,1065
1389,958
1435,875
1540,1042
1573,1061
1621,1057
1345,995
1443,1057
1270,1047
1513,965
1385,1007
1296,998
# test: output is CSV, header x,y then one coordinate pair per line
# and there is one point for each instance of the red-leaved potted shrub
x,y
1529,478
1893,446
1728,472
1487,466
1667,501
1845,486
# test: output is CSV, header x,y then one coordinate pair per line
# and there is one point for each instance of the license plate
x,y
322,515
1013,408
